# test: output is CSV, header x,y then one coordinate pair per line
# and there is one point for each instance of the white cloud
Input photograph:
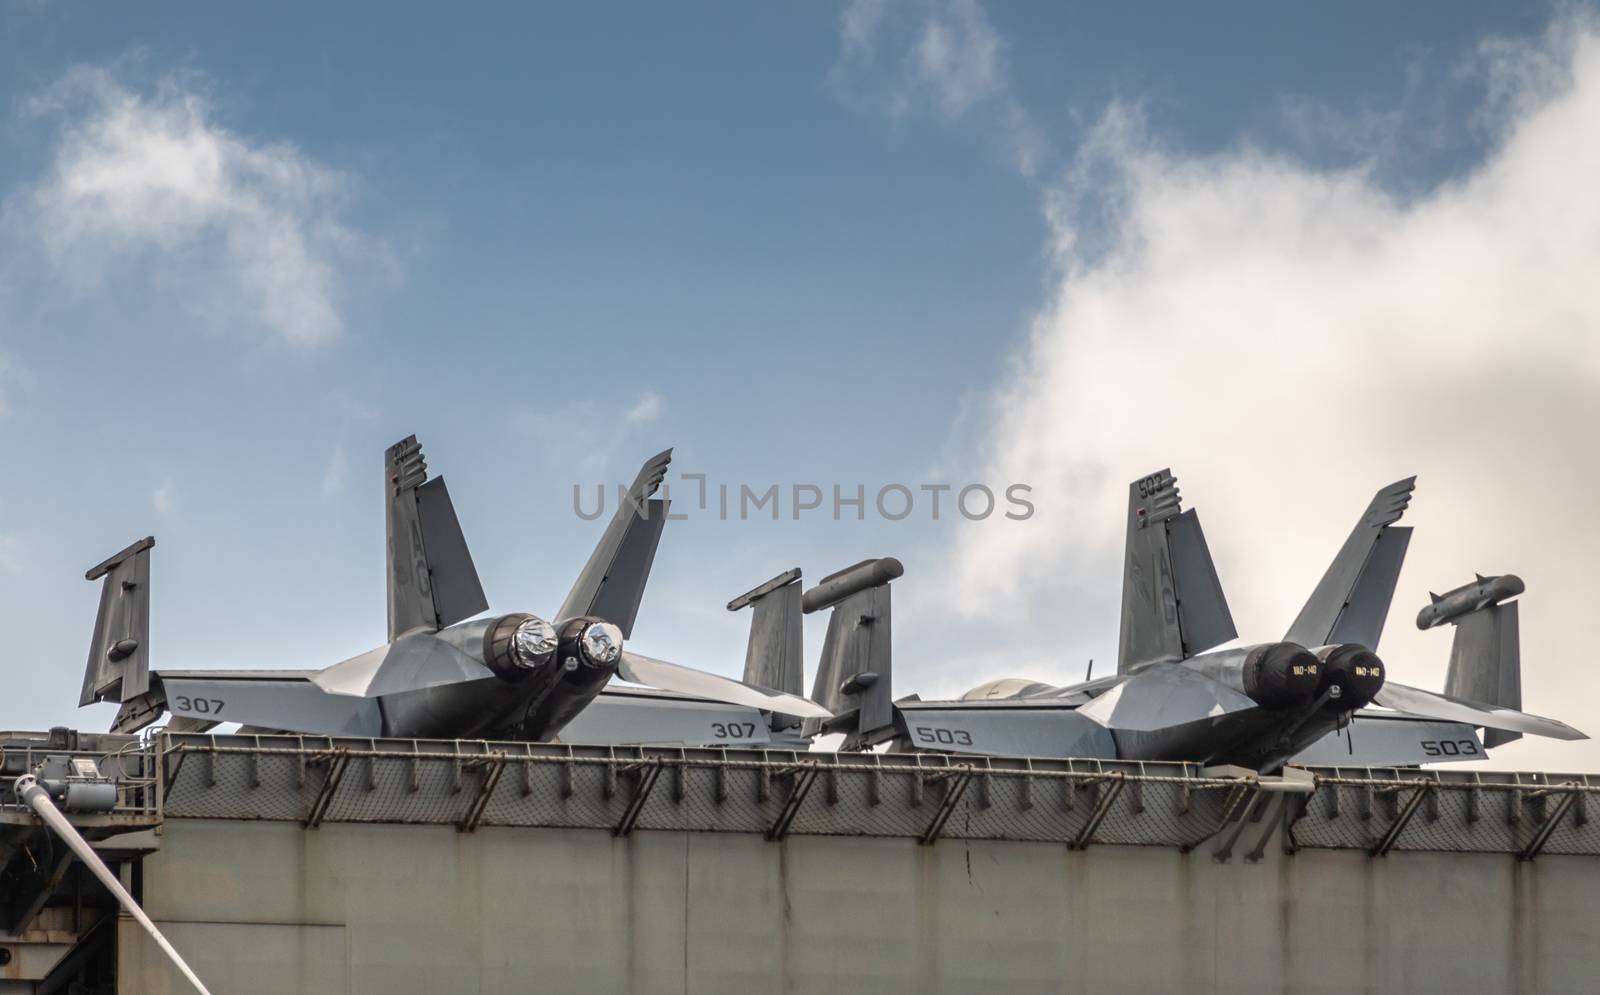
x,y
646,410
941,56
1289,339
162,497
957,57
241,230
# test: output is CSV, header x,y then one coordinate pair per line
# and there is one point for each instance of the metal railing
x,y
131,764
919,796
924,797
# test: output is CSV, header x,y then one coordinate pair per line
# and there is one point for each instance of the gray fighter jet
x,y
444,673
1176,695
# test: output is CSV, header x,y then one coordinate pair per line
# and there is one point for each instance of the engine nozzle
x,y
1280,675
589,643
516,645
1353,674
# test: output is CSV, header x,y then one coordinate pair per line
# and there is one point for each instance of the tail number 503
x,y
943,737
1449,748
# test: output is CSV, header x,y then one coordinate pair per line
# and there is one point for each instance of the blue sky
x,y
244,250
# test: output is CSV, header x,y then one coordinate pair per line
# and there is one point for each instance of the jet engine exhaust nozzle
x,y
589,644
600,644
516,645
1281,675
1353,672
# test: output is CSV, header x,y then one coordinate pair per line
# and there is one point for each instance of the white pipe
x,y
28,789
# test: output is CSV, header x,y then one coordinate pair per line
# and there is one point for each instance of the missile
x,y
1468,598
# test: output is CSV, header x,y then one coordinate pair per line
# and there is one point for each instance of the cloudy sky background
x,y
1293,254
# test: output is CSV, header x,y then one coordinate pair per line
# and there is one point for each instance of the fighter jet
x,y
446,670
1179,693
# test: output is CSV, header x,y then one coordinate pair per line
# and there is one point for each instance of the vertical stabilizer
x,y
431,577
773,657
1172,602
1486,655
621,590
119,653
612,583
854,673
1351,602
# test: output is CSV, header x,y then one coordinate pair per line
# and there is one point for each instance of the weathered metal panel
x,y
427,909
686,870
240,958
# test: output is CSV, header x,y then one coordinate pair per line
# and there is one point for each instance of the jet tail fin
x,y
612,583
1172,602
119,653
854,674
431,577
1351,602
1486,662
773,657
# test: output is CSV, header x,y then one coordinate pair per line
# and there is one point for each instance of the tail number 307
x,y
943,737
204,706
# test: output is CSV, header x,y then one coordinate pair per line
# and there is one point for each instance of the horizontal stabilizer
x,y
1428,704
639,669
272,704
1043,731
629,717
1392,741
1351,602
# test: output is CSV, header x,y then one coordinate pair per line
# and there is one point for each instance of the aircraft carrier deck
x,y
306,864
